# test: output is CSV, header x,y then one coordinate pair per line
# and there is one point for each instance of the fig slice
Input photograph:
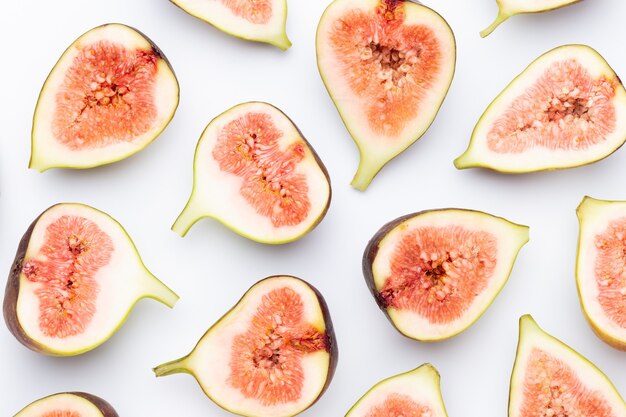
x,y
257,174
509,8
254,20
68,404
272,355
75,278
387,65
551,379
434,273
567,109
413,394
600,268
111,93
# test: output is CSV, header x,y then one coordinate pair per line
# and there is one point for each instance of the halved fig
x,y
434,273
387,65
509,8
255,173
75,278
68,404
601,268
254,20
111,93
272,355
551,379
413,394
567,109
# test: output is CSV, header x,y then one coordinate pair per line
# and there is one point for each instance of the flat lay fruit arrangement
x,y
369,208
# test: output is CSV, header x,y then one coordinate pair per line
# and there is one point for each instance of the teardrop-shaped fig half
x,y
387,65
111,93
68,404
413,394
255,173
434,273
509,8
258,20
600,265
75,278
567,109
551,379
272,355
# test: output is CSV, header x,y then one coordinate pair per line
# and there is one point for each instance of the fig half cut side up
x,y
272,355
68,404
111,94
74,280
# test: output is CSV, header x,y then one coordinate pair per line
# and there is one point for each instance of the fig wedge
x,y
111,94
567,109
600,276
551,379
68,404
259,20
272,355
387,65
255,173
416,393
75,278
434,273
509,8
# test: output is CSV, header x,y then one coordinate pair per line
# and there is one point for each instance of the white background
x,y
212,267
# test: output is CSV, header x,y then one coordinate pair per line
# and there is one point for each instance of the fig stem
x,y
502,16
155,289
174,367
187,218
283,42
365,174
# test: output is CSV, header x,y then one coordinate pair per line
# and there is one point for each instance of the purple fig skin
x,y
105,408
12,292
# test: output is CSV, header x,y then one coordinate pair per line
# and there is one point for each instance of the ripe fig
x,y
434,273
75,278
567,109
255,173
68,404
272,355
600,264
551,379
413,394
509,8
258,20
111,93
387,65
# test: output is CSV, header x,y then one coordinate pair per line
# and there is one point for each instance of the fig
x,y
255,173
254,20
413,394
567,109
551,379
509,8
434,273
387,65
75,278
68,404
600,268
111,93
272,355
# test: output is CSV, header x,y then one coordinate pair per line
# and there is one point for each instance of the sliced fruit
x,y
272,355
508,8
75,278
551,379
69,404
434,273
387,65
601,268
412,394
255,173
254,20
111,93
567,109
